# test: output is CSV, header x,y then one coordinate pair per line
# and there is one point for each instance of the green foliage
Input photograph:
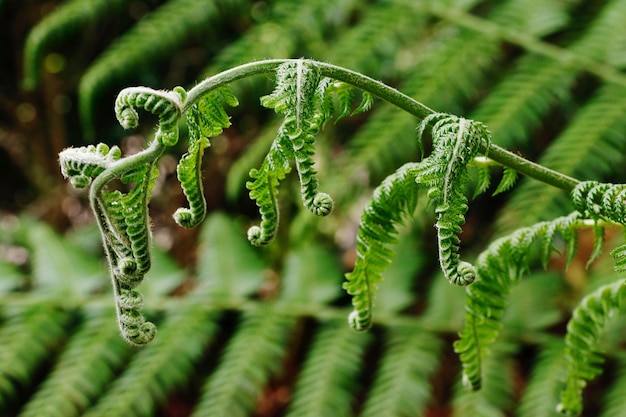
x,y
395,198
499,266
544,76
583,334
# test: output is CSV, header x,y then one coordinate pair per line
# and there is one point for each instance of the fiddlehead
x,y
81,165
583,333
444,172
299,96
205,119
264,190
600,201
165,104
391,201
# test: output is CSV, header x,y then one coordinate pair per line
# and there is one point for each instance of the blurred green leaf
x,y
312,275
228,266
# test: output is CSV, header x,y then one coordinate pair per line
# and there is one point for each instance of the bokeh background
x,y
262,332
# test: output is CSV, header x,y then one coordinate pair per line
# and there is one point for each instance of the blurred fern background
x,y
263,332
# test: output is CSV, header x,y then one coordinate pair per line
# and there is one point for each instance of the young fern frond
x,y
166,104
444,172
299,97
499,266
264,190
81,165
395,198
205,119
583,333
125,224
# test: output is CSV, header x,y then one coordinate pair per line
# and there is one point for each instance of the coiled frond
x,y
205,119
394,199
298,96
124,221
499,266
444,172
601,201
583,333
81,165
264,190
165,104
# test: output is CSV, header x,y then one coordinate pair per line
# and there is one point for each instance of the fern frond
x,y
155,36
325,386
600,201
392,200
297,96
401,387
205,119
264,190
542,391
63,22
495,398
582,339
160,367
444,172
89,362
253,354
613,401
81,165
509,177
165,104
124,224
499,266
27,336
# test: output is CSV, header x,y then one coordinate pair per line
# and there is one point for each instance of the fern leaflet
x,y
444,172
299,97
501,264
391,201
205,119
583,333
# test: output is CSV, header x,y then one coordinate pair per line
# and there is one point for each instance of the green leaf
x,y
228,266
311,276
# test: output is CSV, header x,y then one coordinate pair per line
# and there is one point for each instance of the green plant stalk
x,y
391,95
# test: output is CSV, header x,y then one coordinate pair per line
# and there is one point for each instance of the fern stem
x,y
386,93
529,168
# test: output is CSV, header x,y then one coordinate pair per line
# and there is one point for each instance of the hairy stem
x,y
391,95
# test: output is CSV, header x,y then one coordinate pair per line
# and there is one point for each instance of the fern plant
x,y
307,93
263,332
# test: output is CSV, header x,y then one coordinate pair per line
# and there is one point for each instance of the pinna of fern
x,y
499,266
299,96
456,142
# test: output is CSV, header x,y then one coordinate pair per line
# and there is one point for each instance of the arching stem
x,y
391,95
